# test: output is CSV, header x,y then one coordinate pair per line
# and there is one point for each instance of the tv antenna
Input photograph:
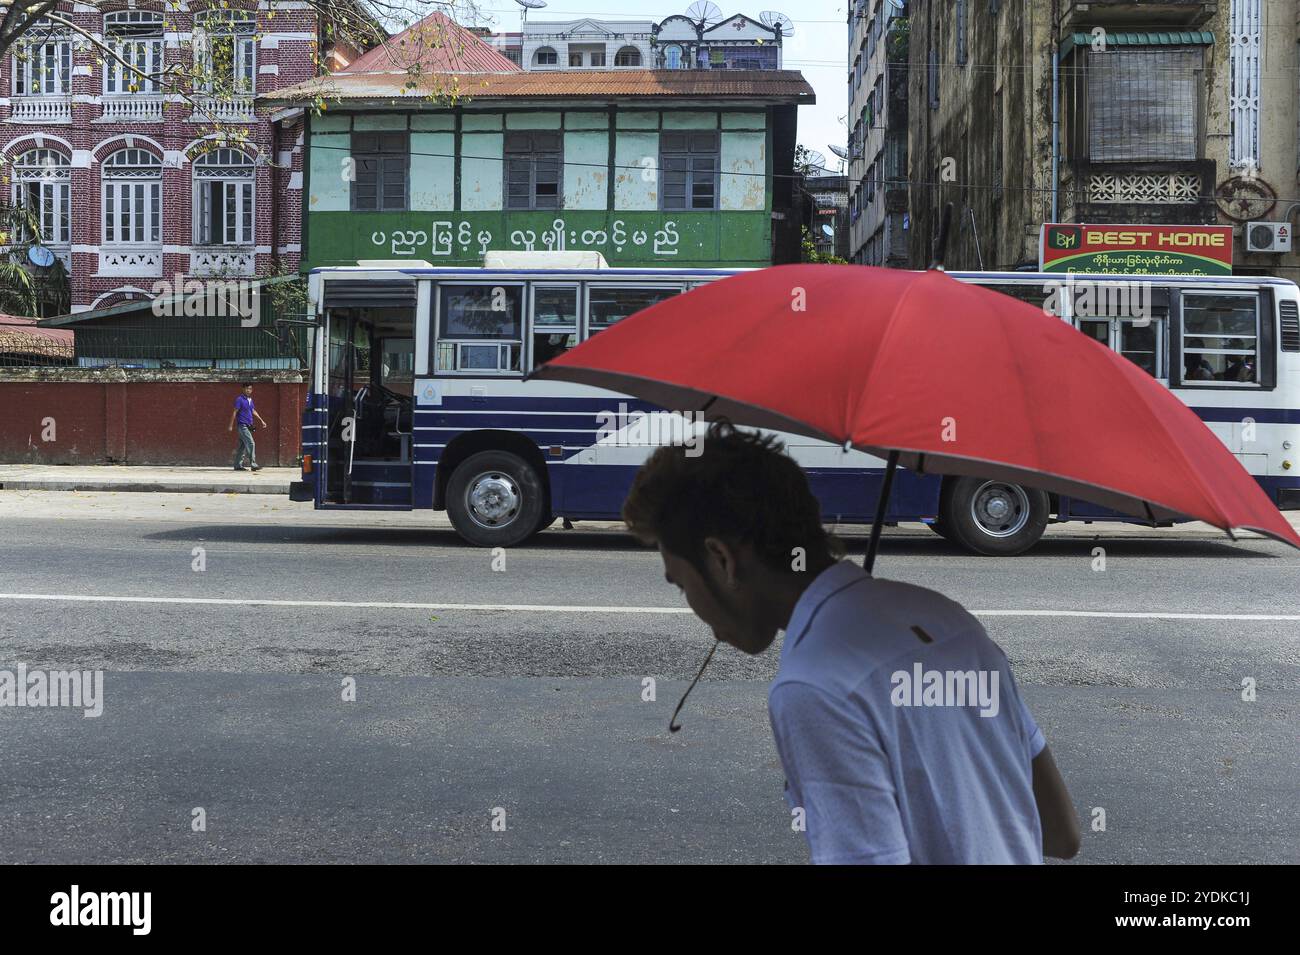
x,y
777,22
704,13
814,160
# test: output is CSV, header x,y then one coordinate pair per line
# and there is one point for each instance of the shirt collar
x,y
825,585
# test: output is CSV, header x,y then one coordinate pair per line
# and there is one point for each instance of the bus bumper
x,y
301,491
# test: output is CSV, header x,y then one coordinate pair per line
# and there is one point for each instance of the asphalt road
x,y
522,690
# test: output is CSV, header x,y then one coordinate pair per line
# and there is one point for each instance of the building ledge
x,y
1149,13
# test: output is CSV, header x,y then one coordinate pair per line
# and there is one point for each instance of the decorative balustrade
x,y
238,261
133,108
40,109
123,261
222,109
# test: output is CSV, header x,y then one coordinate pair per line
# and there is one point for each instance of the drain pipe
x,y
1056,126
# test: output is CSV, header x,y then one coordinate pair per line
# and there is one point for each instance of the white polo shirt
x,y
901,730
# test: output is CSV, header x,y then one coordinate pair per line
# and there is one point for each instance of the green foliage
x,y
809,253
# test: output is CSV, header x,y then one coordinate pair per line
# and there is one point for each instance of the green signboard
x,y
634,239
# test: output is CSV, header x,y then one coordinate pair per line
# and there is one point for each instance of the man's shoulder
x,y
864,627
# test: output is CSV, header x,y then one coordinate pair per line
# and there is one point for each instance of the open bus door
x,y
369,391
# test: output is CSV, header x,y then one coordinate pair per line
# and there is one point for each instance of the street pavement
x,y
520,694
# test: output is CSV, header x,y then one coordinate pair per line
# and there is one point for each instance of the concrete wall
x,y
158,418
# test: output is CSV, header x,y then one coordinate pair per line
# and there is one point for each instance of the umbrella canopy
x,y
953,378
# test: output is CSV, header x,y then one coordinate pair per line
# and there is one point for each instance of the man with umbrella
x,y
898,722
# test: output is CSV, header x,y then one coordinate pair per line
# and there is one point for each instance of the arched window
x,y
132,198
42,178
223,198
628,56
672,57
544,56
136,36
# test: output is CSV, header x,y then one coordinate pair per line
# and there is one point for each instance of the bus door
x,y
369,386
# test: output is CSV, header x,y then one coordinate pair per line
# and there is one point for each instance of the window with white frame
x,y
42,180
223,198
544,56
42,63
136,40
628,56
225,48
132,198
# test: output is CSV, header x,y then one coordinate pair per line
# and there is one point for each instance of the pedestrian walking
x,y
243,417
896,718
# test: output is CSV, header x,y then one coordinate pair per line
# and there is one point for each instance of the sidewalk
x,y
198,480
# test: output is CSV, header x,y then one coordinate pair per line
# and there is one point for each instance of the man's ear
x,y
722,556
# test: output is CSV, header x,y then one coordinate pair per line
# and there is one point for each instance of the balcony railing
x,y
41,109
223,260
134,108
224,109
123,260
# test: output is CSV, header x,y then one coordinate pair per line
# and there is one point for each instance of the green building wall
x,y
610,190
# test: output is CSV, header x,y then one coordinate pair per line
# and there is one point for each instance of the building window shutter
x,y
1142,105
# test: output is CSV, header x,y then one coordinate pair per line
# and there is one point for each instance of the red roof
x,y
18,333
437,44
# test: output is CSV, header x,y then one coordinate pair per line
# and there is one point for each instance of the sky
x,y
818,48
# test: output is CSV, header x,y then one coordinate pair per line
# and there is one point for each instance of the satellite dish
x,y
704,13
778,22
40,256
530,5
814,159
828,231
840,152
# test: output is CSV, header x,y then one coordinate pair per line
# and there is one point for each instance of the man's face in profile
x,y
722,598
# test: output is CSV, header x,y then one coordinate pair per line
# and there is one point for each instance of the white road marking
x,y
575,608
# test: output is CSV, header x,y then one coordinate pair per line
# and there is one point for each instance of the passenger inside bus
x,y
1195,367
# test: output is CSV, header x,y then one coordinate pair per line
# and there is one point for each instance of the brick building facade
x,y
133,185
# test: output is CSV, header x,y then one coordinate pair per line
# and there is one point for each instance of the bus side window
x,y
555,321
480,329
608,305
1220,338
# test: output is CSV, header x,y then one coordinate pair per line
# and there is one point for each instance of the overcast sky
x,y
818,48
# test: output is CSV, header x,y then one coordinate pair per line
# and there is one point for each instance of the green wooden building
x,y
649,168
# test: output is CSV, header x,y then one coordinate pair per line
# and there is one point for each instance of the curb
x,y
280,488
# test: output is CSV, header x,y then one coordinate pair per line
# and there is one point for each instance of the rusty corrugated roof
x,y
437,44
788,85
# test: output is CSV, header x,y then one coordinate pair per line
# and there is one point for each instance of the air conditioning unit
x,y
1268,236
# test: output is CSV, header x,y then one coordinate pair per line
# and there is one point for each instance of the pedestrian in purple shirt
x,y
243,416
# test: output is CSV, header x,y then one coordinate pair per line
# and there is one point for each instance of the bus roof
x,y
615,271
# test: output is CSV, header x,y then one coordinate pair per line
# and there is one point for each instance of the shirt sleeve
x,y
838,773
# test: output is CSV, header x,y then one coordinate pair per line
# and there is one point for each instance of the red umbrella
x,y
934,374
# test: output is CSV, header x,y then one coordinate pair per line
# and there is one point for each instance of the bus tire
x,y
495,499
993,518
940,528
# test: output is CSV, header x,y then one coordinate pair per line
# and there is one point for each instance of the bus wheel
x,y
995,518
940,528
495,499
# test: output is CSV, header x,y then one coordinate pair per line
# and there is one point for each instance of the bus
x,y
417,398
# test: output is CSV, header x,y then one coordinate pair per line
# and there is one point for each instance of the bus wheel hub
x,y
493,499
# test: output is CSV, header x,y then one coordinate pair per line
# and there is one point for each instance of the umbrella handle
x,y
881,503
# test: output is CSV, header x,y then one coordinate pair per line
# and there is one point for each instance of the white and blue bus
x,y
417,397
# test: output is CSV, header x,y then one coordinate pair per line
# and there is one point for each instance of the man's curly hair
x,y
742,487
